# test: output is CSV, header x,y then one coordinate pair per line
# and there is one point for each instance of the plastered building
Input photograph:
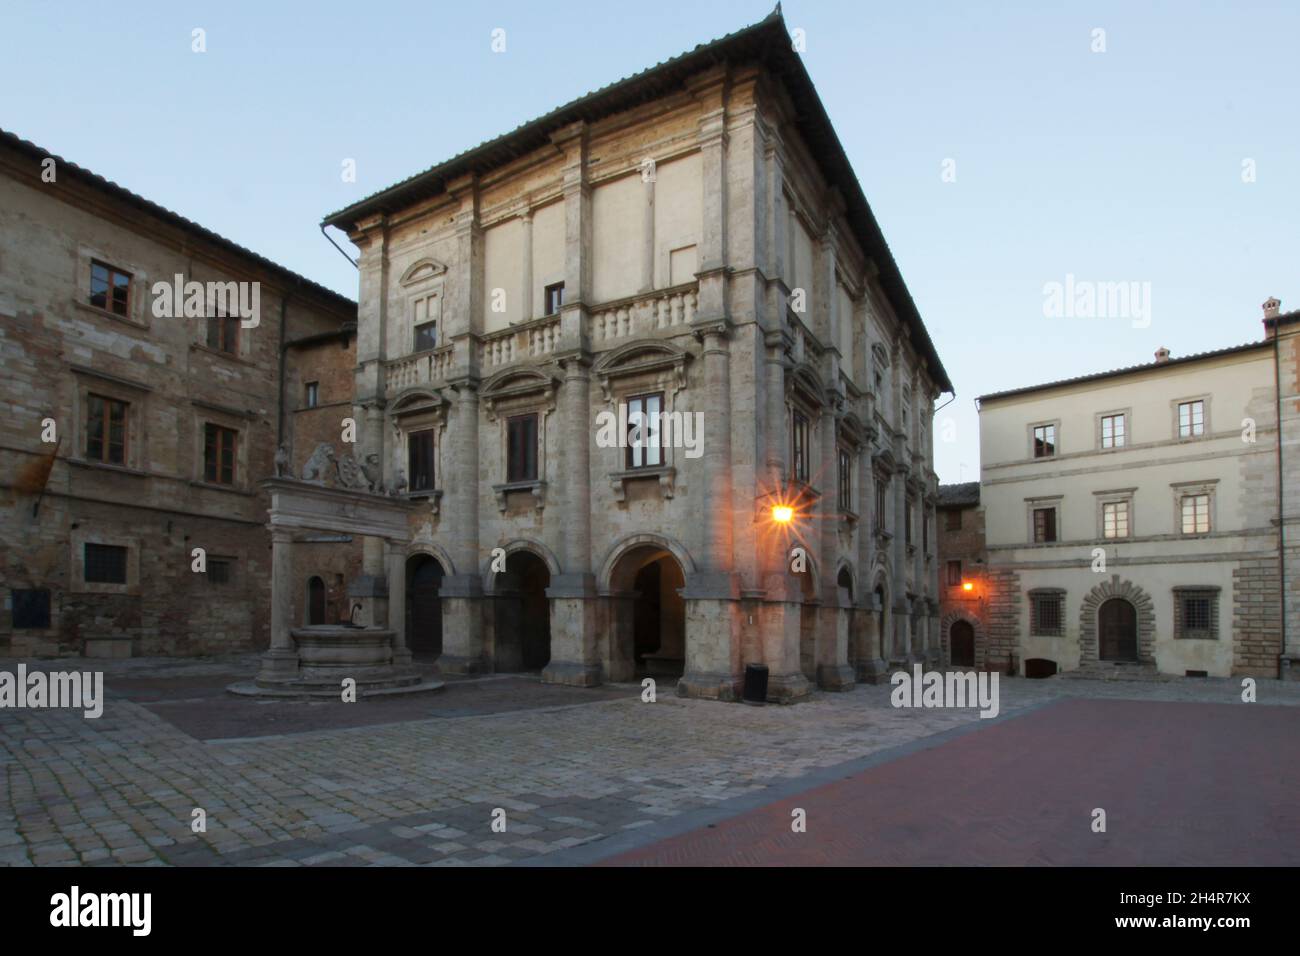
x,y
690,241
1133,517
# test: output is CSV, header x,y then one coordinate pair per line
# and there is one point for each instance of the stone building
x,y
963,578
1132,516
1283,333
691,245
133,434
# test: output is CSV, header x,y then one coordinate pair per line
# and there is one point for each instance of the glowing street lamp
x,y
782,514
967,586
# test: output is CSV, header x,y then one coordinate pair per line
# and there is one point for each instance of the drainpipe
x,y
1281,495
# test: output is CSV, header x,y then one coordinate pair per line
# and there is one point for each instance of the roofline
x,y
767,40
121,193
1130,370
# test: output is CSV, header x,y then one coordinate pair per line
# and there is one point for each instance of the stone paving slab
x,y
121,789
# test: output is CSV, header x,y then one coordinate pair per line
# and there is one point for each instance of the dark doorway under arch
x,y
961,644
1117,631
649,616
523,614
423,605
315,600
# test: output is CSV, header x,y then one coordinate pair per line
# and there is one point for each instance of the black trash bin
x,y
755,684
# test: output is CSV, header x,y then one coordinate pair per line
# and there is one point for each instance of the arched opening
x,y
844,587
883,622
649,616
1040,667
315,600
961,644
523,614
1117,631
423,605
808,628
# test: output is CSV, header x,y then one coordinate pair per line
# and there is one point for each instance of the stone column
x,y
280,662
711,593
462,592
397,600
833,670
575,652
648,228
526,268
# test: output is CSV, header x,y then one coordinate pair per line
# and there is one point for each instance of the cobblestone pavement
x,y
122,788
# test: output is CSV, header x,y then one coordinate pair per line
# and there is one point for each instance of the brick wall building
x,y
131,437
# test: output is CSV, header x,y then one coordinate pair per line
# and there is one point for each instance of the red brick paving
x,y
1183,784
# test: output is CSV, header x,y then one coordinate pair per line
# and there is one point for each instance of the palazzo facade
x,y
690,242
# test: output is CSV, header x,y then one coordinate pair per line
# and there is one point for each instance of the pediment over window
x,y
420,270
643,357
852,430
881,354
516,387
884,462
805,383
417,401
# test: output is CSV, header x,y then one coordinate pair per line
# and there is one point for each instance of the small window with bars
x,y
1046,613
221,570
1196,613
31,608
104,564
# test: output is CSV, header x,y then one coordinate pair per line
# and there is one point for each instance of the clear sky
x,y
1119,166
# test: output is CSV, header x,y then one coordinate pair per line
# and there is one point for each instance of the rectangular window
x,y
426,336
104,564
1196,614
845,480
220,570
312,398
1044,525
420,460
882,503
31,608
1112,431
952,520
907,522
925,532
106,430
643,448
554,298
1191,419
799,446
110,289
1114,519
521,453
1196,514
954,574
223,333
219,454
1046,613
1044,441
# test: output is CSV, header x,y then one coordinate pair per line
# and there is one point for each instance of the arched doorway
x,y
883,622
315,600
844,589
961,644
649,616
1117,631
423,605
523,614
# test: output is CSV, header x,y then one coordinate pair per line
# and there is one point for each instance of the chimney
x,y
1272,308
1162,355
